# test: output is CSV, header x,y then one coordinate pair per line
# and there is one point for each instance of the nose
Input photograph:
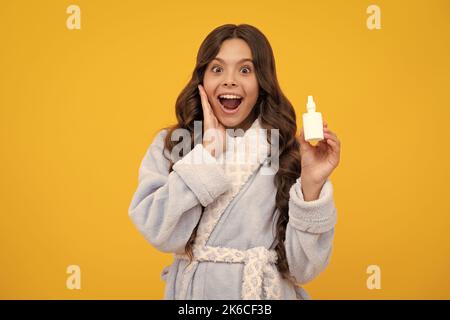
x,y
229,81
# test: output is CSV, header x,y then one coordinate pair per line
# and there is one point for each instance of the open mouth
x,y
229,102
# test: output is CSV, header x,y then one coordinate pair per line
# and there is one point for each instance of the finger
x,y
303,143
332,143
332,137
335,147
326,130
204,100
301,136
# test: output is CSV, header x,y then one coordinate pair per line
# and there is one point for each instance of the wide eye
x,y
216,69
246,70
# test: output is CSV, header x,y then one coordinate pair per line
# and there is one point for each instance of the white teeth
x,y
229,96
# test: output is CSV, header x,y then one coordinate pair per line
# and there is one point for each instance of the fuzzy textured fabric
x,y
233,250
260,277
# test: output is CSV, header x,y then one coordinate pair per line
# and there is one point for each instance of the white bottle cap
x,y
311,106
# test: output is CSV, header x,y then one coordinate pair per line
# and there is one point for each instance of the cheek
x,y
210,86
252,91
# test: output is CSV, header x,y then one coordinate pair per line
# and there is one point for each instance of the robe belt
x,y
260,272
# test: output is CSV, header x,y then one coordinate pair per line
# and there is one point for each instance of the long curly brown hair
x,y
274,109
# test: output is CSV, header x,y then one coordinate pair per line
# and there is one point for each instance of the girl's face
x,y
231,85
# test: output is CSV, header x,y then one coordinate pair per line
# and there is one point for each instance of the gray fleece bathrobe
x,y
234,208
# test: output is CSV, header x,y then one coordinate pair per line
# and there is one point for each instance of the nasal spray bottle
x,y
312,123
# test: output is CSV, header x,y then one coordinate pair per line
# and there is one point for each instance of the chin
x,y
229,122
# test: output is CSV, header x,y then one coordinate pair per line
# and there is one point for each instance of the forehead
x,y
233,51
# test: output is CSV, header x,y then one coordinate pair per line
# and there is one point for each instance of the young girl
x,y
235,232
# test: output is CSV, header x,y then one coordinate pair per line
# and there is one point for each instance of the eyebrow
x,y
240,61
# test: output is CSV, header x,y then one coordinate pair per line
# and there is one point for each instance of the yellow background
x,y
80,107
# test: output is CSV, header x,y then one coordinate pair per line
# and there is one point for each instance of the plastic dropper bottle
x,y
312,123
